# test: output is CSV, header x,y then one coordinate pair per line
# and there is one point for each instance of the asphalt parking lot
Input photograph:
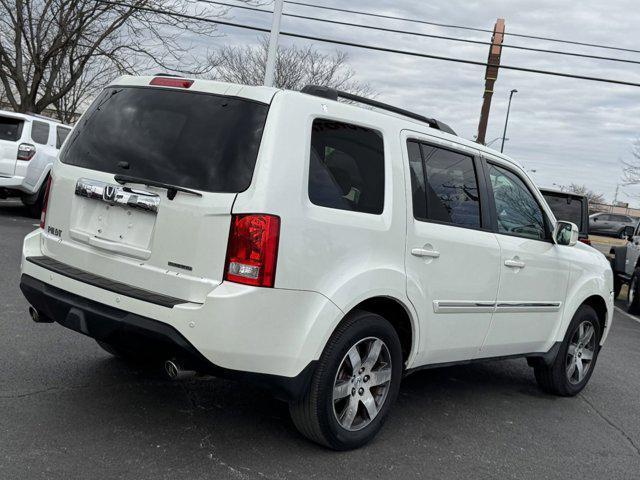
x,y
68,410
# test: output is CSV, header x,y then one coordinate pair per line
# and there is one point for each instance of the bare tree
x,y
631,168
295,67
53,53
592,197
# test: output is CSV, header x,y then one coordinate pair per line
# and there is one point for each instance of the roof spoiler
x,y
334,94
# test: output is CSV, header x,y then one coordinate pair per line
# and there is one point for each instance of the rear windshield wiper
x,y
172,190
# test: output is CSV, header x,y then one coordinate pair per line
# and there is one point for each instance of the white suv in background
x,y
28,146
320,249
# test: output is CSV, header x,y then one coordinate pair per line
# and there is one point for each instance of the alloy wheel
x,y
362,383
581,352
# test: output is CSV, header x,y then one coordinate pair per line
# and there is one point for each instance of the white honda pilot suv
x,y
320,249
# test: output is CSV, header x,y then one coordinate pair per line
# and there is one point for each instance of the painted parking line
x,y
628,315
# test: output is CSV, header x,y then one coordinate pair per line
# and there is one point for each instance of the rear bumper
x,y
15,183
110,324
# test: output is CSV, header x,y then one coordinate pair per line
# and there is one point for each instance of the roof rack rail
x,y
44,117
334,94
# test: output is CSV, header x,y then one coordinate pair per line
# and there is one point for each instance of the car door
x,y
533,274
633,252
602,223
452,258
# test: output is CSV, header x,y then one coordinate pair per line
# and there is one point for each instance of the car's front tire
x,y
633,295
572,368
356,382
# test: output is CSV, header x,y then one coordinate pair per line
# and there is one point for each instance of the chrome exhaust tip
x,y
175,372
37,317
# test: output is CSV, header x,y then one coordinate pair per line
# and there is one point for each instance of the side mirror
x,y
566,233
629,232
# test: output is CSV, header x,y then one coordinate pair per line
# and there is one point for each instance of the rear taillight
x,y
585,240
45,202
26,151
252,252
171,82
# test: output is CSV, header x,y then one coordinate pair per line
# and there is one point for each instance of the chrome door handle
x,y
514,263
421,252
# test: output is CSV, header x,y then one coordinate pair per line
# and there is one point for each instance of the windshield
x,y
565,208
10,128
189,139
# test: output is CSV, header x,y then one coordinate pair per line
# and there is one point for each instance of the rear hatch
x,y
10,134
145,185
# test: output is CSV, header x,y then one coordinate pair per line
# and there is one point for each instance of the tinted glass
x,y
417,181
451,187
565,208
10,128
40,132
346,167
61,135
518,212
200,141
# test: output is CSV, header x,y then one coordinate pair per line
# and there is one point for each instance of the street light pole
x,y
506,120
270,68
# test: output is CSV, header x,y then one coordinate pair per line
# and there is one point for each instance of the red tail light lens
x,y
26,151
252,252
171,82
45,202
585,240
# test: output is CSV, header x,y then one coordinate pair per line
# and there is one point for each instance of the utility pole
x,y
495,50
270,69
506,120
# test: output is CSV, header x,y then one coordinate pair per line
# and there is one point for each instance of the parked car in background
x,y
625,263
28,146
571,207
320,249
610,223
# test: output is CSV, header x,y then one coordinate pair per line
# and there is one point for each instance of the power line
x,y
371,47
462,27
427,35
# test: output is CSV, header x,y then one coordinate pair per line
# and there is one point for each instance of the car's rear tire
x,y
572,368
34,203
621,234
343,409
633,295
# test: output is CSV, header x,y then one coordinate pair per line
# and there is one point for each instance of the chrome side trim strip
x,y
118,195
446,306
528,306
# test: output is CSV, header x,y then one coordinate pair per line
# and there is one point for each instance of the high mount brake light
x,y
26,151
252,251
171,82
45,203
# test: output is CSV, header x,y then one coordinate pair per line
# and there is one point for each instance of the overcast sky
x,y
566,130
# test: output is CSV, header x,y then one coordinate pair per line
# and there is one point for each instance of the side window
x,y
61,135
517,210
417,181
451,187
40,132
605,218
346,167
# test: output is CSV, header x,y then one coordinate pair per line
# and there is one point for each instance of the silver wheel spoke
x,y
373,355
370,404
588,333
341,390
379,377
587,354
354,358
572,350
349,413
571,369
580,369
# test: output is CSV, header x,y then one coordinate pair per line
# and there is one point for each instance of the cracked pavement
x,y
70,411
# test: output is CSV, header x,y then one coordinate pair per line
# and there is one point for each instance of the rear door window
x,y
346,167
10,128
61,135
40,132
189,139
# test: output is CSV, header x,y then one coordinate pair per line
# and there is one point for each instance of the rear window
x,y
346,167
189,139
40,132
61,135
565,208
10,128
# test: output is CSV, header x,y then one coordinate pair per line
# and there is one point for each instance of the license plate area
x,y
114,218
